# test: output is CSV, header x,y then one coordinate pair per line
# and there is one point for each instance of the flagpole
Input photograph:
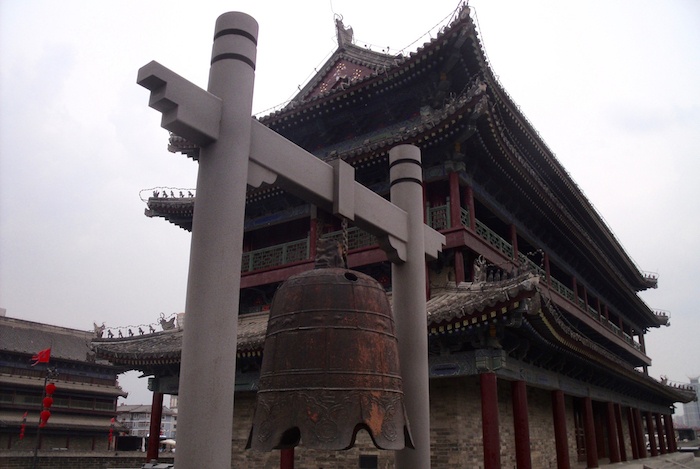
x,y
43,356
38,430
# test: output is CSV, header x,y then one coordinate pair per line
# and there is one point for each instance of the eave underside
x,y
509,317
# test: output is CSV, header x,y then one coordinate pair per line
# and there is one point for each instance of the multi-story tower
x,y
137,419
691,410
533,308
85,399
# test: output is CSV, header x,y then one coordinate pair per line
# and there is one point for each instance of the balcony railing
x,y
493,239
593,312
562,290
527,262
464,217
357,238
439,219
274,256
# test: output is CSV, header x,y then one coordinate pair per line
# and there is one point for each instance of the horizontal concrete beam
x,y
331,188
188,110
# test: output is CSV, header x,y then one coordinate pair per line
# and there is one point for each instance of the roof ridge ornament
x,y
345,35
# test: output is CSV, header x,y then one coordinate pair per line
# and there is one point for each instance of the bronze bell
x,y
330,366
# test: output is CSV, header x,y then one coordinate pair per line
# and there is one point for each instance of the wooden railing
x,y
493,239
438,218
276,255
357,238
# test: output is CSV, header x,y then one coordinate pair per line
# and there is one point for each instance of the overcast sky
x,y
613,87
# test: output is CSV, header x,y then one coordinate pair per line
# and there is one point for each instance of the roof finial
x,y
344,35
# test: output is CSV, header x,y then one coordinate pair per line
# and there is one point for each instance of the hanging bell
x,y
330,365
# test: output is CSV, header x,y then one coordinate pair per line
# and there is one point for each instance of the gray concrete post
x,y
208,364
408,292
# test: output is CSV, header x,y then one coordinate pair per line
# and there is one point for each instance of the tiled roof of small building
x,y
450,309
446,304
27,337
466,299
165,347
141,409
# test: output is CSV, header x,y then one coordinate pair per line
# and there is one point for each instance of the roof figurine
x,y
344,35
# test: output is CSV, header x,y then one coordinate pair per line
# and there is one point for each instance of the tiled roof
x,y
164,347
141,409
450,308
447,303
457,301
27,337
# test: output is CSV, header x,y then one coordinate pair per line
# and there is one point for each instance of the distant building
x,y
679,420
692,409
85,399
137,418
173,408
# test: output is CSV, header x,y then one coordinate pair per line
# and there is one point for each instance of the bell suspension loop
x,y
344,247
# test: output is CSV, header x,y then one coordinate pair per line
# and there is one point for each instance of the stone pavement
x,y
666,461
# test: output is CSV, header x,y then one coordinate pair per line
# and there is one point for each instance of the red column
x,y
670,434
589,433
514,241
667,434
521,425
154,436
546,269
599,426
469,196
633,432
455,201
459,266
641,444
620,433
287,458
489,421
651,432
560,438
612,434
660,430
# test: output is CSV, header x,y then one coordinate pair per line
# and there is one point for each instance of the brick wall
x,y
626,433
455,436
9,440
455,413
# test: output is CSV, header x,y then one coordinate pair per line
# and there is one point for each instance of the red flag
x,y
42,357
